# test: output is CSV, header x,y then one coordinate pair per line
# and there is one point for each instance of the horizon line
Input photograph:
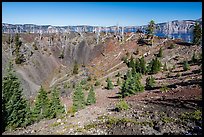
x,y
92,25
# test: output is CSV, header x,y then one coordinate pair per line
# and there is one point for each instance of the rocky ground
x,y
177,110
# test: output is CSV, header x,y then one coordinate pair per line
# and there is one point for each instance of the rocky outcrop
x,y
178,29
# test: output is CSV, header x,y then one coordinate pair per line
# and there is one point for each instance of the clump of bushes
x,y
122,105
132,84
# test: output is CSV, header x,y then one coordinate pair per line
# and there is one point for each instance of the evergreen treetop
x,y
42,105
78,98
55,104
91,99
197,34
14,104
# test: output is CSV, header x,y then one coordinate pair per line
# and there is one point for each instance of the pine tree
x,y
142,66
19,57
155,66
160,54
14,103
28,117
150,30
197,34
42,106
137,65
150,82
132,85
128,74
55,106
78,99
18,43
186,66
133,71
76,68
109,84
91,99
131,64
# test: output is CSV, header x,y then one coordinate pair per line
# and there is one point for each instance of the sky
x,y
98,13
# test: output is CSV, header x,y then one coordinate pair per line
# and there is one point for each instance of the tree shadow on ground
x,y
115,97
175,102
174,85
176,71
118,95
184,43
189,82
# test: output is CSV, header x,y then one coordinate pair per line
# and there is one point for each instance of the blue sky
x,y
98,13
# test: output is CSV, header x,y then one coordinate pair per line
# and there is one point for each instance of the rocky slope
x,y
100,56
42,56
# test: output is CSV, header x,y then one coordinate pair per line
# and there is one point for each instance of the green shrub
x,y
109,84
195,116
97,83
15,108
164,88
131,84
78,99
160,54
150,82
131,63
154,66
186,66
91,99
125,59
55,124
87,87
122,105
42,106
83,81
56,107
